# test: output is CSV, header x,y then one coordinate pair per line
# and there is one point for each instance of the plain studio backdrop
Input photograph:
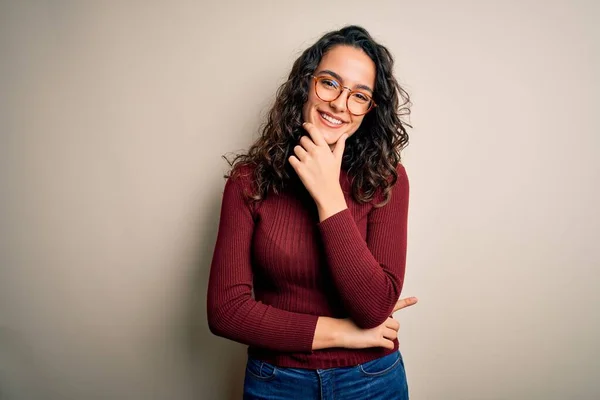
x,y
114,116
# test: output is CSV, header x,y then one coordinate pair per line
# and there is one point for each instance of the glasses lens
x,y
359,103
328,89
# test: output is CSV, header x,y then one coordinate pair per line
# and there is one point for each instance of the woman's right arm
x,y
231,310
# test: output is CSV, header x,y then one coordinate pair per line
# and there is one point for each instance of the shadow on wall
x,y
218,364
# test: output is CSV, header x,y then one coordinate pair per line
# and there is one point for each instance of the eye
x,y
361,97
330,83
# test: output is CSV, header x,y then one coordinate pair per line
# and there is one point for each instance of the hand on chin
x,y
331,137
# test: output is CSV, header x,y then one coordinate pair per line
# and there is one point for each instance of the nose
x,y
341,103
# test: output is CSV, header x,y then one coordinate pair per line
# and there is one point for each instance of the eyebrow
x,y
339,78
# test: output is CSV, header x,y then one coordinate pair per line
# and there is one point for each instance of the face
x,y
352,68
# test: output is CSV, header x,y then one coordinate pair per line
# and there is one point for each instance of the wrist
x,y
340,332
329,333
331,204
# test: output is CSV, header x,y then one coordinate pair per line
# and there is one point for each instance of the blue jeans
x,y
383,378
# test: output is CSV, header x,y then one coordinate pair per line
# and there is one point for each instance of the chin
x,y
330,136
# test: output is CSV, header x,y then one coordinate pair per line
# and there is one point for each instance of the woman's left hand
x,y
319,169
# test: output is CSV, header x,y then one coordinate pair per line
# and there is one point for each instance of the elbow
x,y
216,323
215,328
370,320
372,314
213,323
224,315
378,309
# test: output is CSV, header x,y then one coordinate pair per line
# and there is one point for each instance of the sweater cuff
x,y
304,329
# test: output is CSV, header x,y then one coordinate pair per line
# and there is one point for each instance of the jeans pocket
x,y
382,365
260,370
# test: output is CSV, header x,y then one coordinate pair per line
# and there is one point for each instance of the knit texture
x,y
276,269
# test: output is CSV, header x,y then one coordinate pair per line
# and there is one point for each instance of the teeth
x,y
331,119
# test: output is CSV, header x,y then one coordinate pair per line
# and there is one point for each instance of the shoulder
x,y
242,176
240,188
402,176
397,192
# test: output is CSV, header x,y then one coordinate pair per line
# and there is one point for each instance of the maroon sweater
x,y
351,265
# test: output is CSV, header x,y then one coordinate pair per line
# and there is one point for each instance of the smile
x,y
331,121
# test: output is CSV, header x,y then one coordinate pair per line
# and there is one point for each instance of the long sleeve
x,y
232,311
369,274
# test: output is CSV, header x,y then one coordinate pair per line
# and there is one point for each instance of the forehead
x,y
352,64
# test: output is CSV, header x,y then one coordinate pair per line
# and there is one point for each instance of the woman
x,y
314,221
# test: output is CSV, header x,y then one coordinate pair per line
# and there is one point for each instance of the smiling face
x,y
352,68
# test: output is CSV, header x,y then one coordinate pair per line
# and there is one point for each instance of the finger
x,y
340,145
294,162
392,324
307,143
388,344
390,334
300,152
316,135
403,303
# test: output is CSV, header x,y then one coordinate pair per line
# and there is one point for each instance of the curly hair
x,y
371,155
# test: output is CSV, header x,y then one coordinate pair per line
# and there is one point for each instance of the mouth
x,y
329,120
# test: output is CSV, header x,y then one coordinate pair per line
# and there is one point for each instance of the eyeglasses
x,y
328,89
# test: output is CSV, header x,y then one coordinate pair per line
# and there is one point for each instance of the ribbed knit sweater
x,y
350,265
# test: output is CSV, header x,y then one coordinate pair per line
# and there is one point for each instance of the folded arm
x,y
369,274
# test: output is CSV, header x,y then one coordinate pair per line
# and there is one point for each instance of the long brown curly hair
x,y
371,155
